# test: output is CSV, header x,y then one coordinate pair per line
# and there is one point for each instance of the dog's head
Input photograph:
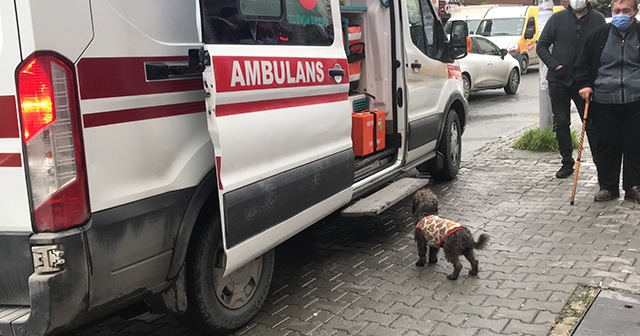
x,y
425,203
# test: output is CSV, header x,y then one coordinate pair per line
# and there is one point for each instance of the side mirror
x,y
503,53
528,34
458,45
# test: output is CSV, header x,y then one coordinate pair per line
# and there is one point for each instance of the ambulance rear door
x,y
279,118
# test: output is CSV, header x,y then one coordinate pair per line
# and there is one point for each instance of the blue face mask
x,y
621,21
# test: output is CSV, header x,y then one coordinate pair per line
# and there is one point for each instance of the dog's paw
x,y
420,263
452,277
433,260
473,272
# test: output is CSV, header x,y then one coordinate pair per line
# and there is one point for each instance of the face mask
x,y
578,5
621,21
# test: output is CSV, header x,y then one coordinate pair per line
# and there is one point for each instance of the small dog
x,y
435,232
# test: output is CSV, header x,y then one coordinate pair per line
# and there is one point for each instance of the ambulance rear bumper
x,y
58,301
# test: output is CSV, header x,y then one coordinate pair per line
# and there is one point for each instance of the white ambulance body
x,y
123,180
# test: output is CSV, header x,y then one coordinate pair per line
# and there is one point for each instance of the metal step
x,y
9,314
383,199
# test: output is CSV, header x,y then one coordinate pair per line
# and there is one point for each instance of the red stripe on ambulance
x,y
144,113
10,160
8,118
262,105
125,76
254,73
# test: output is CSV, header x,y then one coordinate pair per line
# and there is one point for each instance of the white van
x,y
159,150
471,14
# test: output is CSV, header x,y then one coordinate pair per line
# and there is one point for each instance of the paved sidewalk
x,y
357,276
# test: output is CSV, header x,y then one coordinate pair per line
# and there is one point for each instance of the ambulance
x,y
159,150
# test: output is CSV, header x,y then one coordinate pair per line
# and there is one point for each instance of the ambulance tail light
x,y
50,123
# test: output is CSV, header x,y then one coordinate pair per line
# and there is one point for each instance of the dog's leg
x,y
454,259
433,255
471,256
421,244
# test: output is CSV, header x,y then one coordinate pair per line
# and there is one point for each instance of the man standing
x,y
563,37
608,72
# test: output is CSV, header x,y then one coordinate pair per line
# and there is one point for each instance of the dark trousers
x,y
561,97
618,131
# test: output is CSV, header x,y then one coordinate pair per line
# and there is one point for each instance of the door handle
x,y
337,72
416,65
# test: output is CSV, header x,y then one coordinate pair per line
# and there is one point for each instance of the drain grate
x,y
612,313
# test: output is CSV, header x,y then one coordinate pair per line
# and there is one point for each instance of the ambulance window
x,y
304,23
422,23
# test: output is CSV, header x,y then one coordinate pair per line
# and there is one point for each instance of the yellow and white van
x,y
514,28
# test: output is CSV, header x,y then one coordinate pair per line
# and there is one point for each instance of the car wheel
x,y
466,86
524,64
218,304
513,82
451,148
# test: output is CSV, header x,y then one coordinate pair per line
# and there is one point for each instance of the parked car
x,y
488,67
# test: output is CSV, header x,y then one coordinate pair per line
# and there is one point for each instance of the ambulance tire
x,y
215,305
451,148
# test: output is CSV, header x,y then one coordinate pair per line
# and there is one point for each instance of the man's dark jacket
x,y
586,69
560,31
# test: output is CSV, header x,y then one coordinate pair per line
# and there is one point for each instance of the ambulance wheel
x,y
451,148
524,64
218,304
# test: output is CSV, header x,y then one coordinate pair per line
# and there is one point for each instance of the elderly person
x,y
561,40
608,73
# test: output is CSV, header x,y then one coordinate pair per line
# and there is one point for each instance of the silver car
x,y
488,67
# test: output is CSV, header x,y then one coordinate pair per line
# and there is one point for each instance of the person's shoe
x,y
605,195
633,194
565,171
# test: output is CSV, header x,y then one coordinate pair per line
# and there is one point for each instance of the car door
x,y
278,116
427,77
475,64
496,71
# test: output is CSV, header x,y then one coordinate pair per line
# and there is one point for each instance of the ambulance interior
x,y
367,35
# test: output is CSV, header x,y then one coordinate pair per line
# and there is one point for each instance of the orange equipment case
x,y
362,133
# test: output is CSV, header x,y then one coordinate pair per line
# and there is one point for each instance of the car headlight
x,y
513,47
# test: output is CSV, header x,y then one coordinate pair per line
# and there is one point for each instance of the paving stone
x,y
500,302
525,316
423,326
493,324
483,312
515,326
402,309
444,329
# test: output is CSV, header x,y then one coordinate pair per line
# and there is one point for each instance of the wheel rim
x,y
524,64
514,80
454,144
236,289
466,86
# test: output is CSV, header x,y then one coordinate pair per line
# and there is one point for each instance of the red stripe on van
x,y
10,160
144,113
235,73
8,118
255,106
125,76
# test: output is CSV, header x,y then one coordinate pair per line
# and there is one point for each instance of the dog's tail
x,y
482,242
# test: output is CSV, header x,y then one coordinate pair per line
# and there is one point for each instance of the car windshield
x,y
501,27
472,25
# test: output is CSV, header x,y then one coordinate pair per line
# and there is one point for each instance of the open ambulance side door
x,y
279,118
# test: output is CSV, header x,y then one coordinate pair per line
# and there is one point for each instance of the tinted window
x,y
486,47
223,23
422,25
